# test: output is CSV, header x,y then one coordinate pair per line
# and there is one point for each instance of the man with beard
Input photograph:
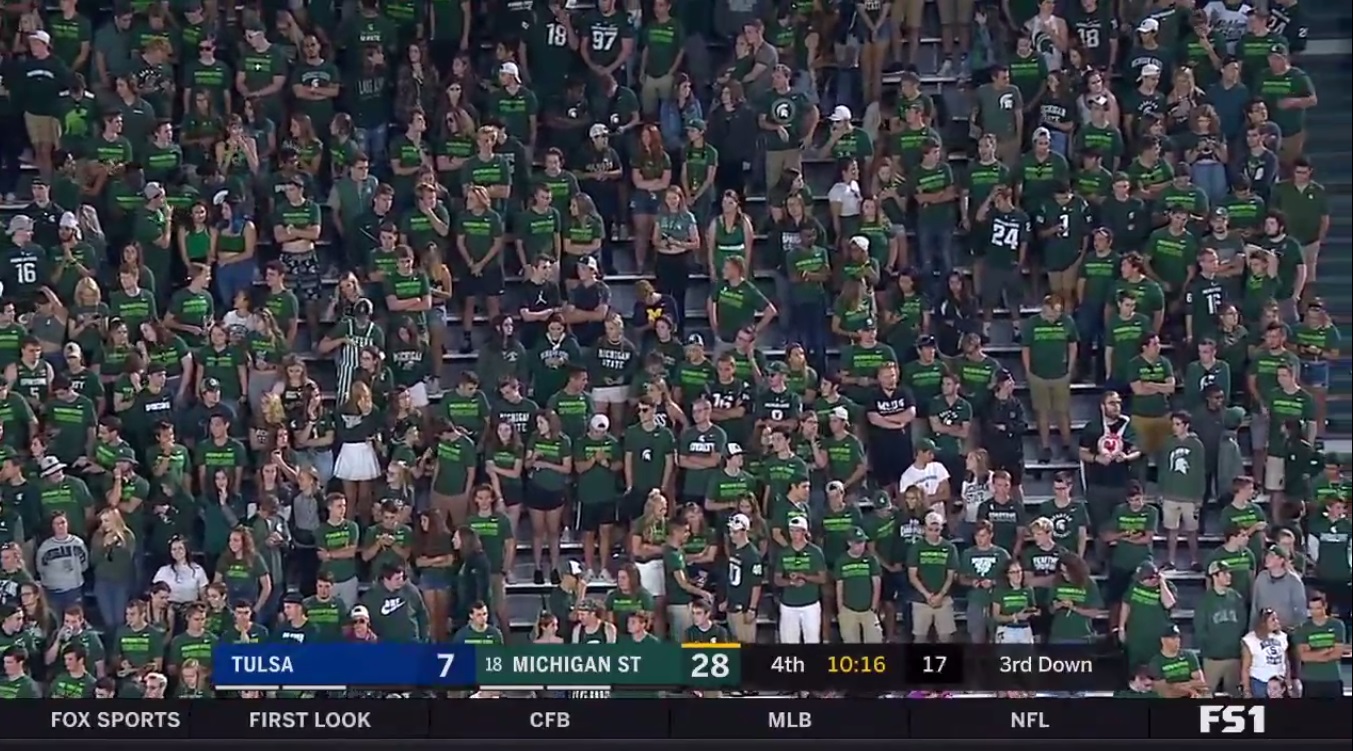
x,y
1107,450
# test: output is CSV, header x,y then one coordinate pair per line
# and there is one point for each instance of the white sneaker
x,y
566,535
946,68
606,577
433,386
509,578
10,197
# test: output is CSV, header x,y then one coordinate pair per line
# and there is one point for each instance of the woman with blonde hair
x,y
87,318
975,491
266,347
358,427
114,560
648,534
193,681
269,416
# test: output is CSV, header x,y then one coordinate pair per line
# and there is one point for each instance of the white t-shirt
x,y
185,583
927,478
848,195
975,493
1232,22
1268,657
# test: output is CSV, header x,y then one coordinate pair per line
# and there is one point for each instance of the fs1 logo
x,y
1213,718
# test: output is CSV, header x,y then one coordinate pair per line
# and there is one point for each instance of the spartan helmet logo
x,y
783,110
1007,101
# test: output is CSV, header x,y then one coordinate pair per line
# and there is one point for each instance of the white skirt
x,y
357,462
653,577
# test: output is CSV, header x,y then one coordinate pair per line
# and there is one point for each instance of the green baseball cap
x,y
924,444
857,535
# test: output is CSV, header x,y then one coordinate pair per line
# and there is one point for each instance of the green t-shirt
x,y
933,563
857,577
1331,633
1127,556
806,561
1048,344
1146,371
736,306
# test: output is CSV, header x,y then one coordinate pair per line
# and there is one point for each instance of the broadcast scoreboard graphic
x,y
707,666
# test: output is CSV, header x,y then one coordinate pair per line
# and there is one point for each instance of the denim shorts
x,y
1315,373
434,579
644,202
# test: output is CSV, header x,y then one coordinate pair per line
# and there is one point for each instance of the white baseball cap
x,y
68,221
840,413
598,130
41,36
360,612
860,241
1042,133
1150,69
739,523
841,113
934,517
511,69
600,422
1148,26
799,522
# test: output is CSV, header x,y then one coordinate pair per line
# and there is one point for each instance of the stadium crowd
x,y
206,440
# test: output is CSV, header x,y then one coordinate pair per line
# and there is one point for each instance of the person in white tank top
x,y
1264,655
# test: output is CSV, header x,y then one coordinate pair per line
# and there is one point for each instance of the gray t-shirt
x,y
61,563
767,57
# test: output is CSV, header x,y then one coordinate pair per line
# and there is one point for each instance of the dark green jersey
x,y
746,573
1070,223
796,563
1008,232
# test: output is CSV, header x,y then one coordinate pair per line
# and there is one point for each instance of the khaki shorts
x,y
743,626
1152,433
859,627
1310,255
1050,396
954,12
610,395
1176,515
1292,147
42,129
1222,676
923,617
1064,282
908,13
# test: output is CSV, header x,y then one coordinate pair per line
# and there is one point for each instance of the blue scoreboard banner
x,y
343,664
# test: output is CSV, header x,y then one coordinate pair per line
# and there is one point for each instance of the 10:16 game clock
x,y
851,667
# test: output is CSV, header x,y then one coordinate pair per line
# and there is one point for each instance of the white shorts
x,y
1014,635
1176,515
357,462
418,395
653,577
610,394
1275,473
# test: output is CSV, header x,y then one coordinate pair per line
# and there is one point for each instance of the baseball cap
x,y
733,449
41,36
695,340
1148,26
1149,70
510,68
68,221
1216,567
1170,631
934,517
739,523
1042,133
1147,570
1281,553
360,612
840,413
152,191
841,113
292,598
1221,211
210,384
1278,48
590,262
925,340
72,349
695,123
20,223
574,568
600,422
925,444
836,485
597,130
857,535
798,522
775,367
860,241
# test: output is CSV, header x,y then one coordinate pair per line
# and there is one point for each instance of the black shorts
x,y
594,516
489,284
512,496
1015,467
541,499
896,587
1117,585
632,506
